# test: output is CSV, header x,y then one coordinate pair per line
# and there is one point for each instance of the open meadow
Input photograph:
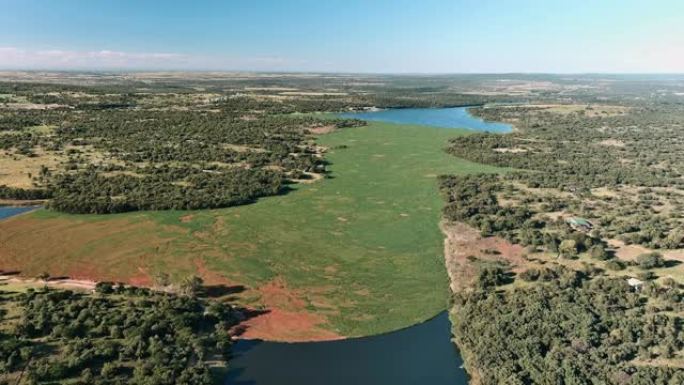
x,y
355,254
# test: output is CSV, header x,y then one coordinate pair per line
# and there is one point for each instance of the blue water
x,y
457,117
421,354
9,211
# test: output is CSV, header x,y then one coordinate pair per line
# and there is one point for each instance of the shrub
x,y
530,275
615,265
598,252
650,260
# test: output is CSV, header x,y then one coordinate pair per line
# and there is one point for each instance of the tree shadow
x,y
672,263
247,314
217,291
58,278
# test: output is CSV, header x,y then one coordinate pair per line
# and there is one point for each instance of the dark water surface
x,y
8,211
457,117
421,354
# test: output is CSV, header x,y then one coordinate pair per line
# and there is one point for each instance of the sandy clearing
x,y
17,170
65,283
627,252
630,252
462,241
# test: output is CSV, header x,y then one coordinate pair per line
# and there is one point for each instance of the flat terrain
x,y
356,254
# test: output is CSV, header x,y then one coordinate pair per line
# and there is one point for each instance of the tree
x,y
673,240
109,370
104,287
568,248
615,264
650,260
191,286
598,252
530,275
490,277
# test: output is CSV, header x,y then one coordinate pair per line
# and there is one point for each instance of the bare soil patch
x,y
64,247
17,170
462,242
187,218
62,283
627,252
286,318
322,129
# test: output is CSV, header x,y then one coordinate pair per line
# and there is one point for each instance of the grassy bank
x,y
361,250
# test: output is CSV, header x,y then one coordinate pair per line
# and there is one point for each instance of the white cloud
x,y
55,59
17,58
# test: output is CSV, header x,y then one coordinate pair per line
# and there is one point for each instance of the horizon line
x,y
323,72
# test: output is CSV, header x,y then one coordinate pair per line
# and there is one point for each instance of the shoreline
x,y
67,283
22,203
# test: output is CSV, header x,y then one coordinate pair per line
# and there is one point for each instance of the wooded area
x,y
117,335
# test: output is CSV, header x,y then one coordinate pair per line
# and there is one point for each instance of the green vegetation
x,y
118,335
574,329
359,249
118,160
582,309
625,179
353,245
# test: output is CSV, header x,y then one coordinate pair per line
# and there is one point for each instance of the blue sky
x,y
385,36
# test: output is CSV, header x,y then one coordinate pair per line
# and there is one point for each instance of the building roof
x,y
577,221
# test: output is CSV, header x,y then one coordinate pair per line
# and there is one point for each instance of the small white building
x,y
635,283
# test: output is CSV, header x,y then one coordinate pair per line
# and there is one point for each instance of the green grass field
x,y
362,248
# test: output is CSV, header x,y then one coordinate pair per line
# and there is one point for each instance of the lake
x,y
421,354
457,117
9,211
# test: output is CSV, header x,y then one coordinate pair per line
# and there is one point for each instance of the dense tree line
x,y
572,329
121,335
90,192
125,150
122,159
571,151
23,194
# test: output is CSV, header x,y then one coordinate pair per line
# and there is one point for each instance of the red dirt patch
x,y
63,247
286,318
322,129
463,241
